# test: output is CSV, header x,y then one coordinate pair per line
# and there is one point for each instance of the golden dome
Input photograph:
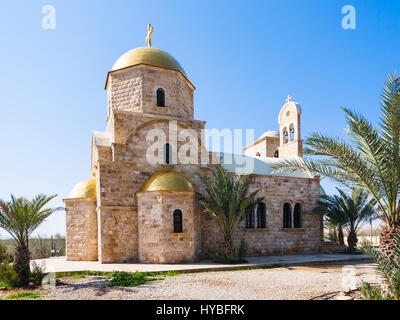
x,y
167,181
84,189
147,55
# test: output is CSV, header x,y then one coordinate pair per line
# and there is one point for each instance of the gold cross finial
x,y
149,33
289,98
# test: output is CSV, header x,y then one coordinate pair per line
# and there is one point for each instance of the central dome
x,y
147,55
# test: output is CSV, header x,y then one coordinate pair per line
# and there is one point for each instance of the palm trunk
x,y
333,234
340,235
352,240
228,247
388,240
21,264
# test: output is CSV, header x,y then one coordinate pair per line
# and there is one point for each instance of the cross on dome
x,y
149,33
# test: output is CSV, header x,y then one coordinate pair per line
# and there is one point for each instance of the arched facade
x,y
131,212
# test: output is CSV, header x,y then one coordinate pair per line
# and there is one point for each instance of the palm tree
x,y
20,217
388,269
370,161
228,200
333,217
350,212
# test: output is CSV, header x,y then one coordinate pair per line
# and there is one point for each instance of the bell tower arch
x,y
289,122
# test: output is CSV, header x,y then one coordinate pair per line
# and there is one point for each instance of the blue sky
x,y
244,57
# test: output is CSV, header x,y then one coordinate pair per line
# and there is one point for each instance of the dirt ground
x,y
318,282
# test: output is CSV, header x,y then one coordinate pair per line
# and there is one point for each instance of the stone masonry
x,y
123,223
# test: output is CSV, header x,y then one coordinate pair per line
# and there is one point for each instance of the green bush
x,y
5,257
372,292
37,274
8,276
24,296
241,251
128,279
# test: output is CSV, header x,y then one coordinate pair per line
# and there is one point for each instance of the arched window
x,y
287,216
261,216
249,219
291,130
297,216
160,98
276,154
285,135
177,221
167,154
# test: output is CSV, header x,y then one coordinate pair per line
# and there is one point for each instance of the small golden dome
x,y
167,181
147,55
84,189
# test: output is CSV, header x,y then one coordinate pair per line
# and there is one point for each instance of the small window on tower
x,y
291,133
285,135
160,98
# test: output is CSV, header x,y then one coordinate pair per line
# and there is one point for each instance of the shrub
x,y
5,257
23,296
372,292
241,251
37,274
128,279
8,276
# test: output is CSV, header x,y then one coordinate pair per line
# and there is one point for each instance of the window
x,y
287,216
261,216
291,132
167,154
177,221
160,98
285,135
297,215
276,154
249,223
258,154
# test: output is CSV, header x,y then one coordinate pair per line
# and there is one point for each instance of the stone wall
x,y
81,229
138,226
291,148
265,147
134,89
118,234
157,241
275,239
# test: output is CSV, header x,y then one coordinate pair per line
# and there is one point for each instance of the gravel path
x,y
280,283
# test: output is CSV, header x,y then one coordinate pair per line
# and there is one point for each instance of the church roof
x,y
245,164
84,189
272,134
148,56
102,139
167,181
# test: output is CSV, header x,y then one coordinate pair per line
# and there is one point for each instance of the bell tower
x,y
291,144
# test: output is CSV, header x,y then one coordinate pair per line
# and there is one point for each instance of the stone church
x,y
138,210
